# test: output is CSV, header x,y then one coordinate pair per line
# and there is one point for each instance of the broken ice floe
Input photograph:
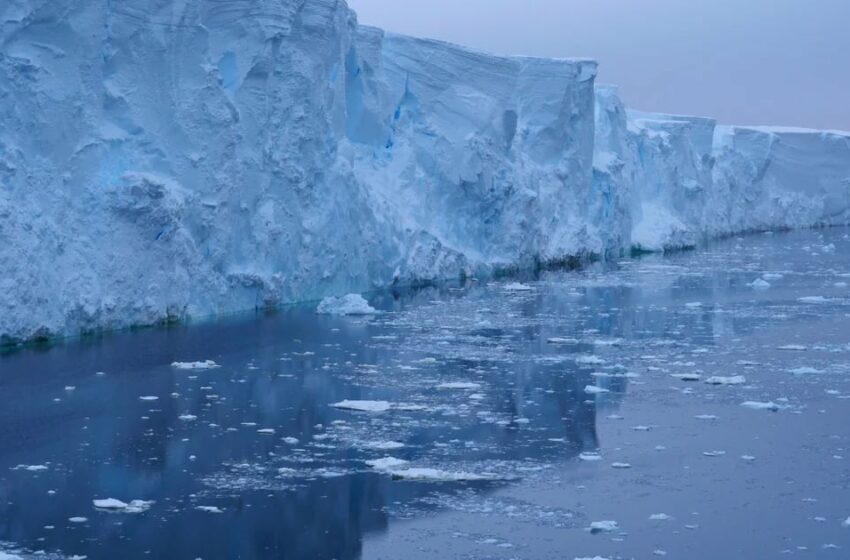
x,y
458,385
117,506
517,287
363,406
686,376
206,364
603,526
594,390
209,509
731,380
351,304
756,405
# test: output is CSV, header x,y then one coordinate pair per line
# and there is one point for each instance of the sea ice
x,y
603,526
351,304
206,364
756,405
363,406
731,380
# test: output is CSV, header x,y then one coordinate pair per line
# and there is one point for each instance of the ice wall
x,y
163,159
685,179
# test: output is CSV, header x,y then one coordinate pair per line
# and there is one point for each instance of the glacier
x,y
161,160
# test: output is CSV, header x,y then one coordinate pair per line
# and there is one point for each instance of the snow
x,y
392,161
351,304
363,406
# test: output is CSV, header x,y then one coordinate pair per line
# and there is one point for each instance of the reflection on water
x,y
490,380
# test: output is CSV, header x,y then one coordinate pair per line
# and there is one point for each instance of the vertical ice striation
x,y
162,159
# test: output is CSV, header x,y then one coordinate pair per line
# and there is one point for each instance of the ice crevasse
x,y
162,160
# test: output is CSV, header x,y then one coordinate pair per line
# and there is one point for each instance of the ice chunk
x,y
386,463
846,522
149,398
603,526
731,380
659,517
209,509
383,445
187,417
351,304
686,376
590,456
30,468
517,287
588,359
621,465
458,385
112,504
363,406
804,370
78,519
756,405
206,364
422,474
812,299
561,340
594,390
760,284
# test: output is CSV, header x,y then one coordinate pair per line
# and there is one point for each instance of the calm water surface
x,y
525,411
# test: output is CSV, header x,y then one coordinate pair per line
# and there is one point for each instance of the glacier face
x,y
163,159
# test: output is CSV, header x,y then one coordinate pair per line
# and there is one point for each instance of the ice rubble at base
x,y
292,155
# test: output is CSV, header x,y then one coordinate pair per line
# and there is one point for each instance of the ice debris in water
x,y
517,287
659,517
351,304
686,376
756,405
112,504
603,526
458,385
760,284
420,474
78,519
386,463
812,299
792,347
590,456
561,340
206,364
209,509
621,465
805,370
846,523
383,445
594,390
588,359
363,406
30,468
731,380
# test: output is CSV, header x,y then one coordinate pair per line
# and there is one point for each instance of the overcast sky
x,y
783,62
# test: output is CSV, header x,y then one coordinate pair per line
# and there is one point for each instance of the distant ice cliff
x,y
162,159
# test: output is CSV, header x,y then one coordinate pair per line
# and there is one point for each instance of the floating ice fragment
x,y
714,453
291,440
760,284
812,299
149,398
590,456
30,468
351,304
686,376
793,347
458,385
603,526
561,340
517,287
756,405
846,523
594,390
621,465
386,463
111,504
731,380
642,428
78,519
705,417
804,370
589,360
266,431
659,517
206,364
209,509
383,445
187,417
419,474
363,406
693,304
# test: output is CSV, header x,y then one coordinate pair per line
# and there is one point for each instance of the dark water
x,y
501,442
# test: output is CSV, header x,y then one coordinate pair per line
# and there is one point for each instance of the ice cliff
x,y
161,159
